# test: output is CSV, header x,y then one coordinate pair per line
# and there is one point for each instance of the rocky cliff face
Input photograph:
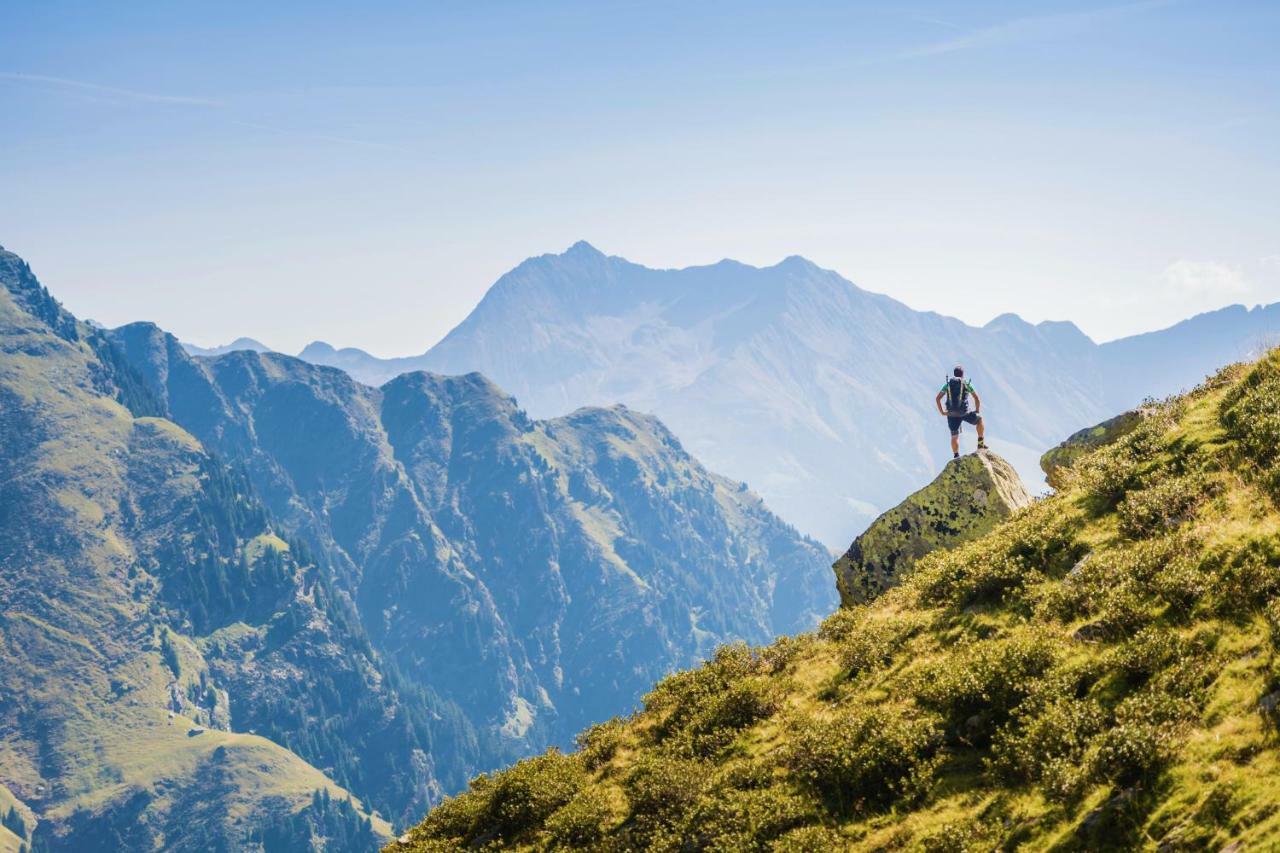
x,y
970,497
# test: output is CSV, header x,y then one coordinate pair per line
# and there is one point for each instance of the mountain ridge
x,y
834,381
1096,672
394,587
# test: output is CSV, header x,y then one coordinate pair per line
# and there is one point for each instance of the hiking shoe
x,y
957,456
982,445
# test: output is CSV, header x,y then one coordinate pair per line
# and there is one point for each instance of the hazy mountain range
x,y
237,590
816,392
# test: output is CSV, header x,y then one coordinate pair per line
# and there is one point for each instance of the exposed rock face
x,y
1059,458
971,496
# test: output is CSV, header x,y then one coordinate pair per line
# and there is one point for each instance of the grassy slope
x,y
80,667
1089,675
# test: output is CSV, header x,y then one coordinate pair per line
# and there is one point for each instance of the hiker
x,y
957,390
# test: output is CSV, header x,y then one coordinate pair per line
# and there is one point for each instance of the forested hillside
x,y
140,580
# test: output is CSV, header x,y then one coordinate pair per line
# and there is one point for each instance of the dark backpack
x,y
957,395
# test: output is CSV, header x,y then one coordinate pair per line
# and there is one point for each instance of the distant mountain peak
x,y
1007,320
316,349
582,249
798,262
238,345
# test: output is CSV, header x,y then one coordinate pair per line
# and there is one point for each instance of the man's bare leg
x,y
955,444
981,432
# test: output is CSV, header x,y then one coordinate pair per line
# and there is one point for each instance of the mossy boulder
x,y
1058,459
970,497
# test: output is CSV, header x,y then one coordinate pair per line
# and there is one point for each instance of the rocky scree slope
x,y
131,561
1099,671
791,378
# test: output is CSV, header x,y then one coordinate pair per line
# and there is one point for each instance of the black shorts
x,y
954,421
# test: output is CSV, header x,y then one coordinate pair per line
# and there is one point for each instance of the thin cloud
x,y
937,22
116,93
1208,281
322,137
1032,27
45,81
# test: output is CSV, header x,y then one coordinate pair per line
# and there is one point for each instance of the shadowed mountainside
x,y
401,586
128,556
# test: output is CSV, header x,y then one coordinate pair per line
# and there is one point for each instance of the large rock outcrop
x,y
1058,459
971,496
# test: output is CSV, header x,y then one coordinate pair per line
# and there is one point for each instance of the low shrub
x,y
721,717
1246,577
526,794
1045,741
863,758
679,697
1150,651
661,788
1037,543
458,817
580,823
1110,587
1163,505
1182,583
1272,614
745,820
598,744
965,836
869,643
1132,750
987,678
1251,415
779,655
808,839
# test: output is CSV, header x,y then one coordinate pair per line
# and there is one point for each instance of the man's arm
x,y
938,402
977,401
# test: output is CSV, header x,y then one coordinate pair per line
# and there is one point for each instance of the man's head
x,y
959,371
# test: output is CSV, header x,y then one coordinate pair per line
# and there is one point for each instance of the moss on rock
x,y
970,497
1057,460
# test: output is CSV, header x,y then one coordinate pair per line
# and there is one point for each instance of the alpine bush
x,y
863,758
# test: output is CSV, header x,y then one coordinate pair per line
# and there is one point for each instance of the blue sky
x,y
326,171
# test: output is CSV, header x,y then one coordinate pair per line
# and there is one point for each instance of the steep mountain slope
x,y
402,586
1098,672
539,574
817,393
124,547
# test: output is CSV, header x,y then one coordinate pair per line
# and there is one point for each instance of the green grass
x,y
1087,676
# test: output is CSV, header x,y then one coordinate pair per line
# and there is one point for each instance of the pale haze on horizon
x,y
361,177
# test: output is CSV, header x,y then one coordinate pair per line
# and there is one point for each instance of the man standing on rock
x,y
957,391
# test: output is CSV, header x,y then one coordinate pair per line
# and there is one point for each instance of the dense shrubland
x,y
1099,672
